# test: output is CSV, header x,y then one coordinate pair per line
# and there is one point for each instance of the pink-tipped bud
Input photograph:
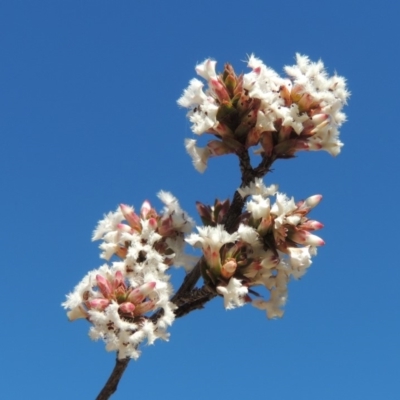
x,y
119,280
311,225
132,218
145,209
145,307
127,308
319,118
98,304
320,127
153,223
219,89
124,228
166,227
104,286
313,201
139,294
229,268
305,237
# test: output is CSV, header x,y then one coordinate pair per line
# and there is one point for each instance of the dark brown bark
x,y
111,385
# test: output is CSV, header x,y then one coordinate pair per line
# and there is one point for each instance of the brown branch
x,y
111,385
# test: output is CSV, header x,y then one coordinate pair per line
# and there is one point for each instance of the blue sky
x,y
89,119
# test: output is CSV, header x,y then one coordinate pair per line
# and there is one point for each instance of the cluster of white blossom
x,y
116,299
268,244
272,244
281,115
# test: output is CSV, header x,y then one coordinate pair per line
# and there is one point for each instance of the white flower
x,y
107,224
181,221
207,69
233,293
259,207
258,187
281,208
211,239
200,155
193,95
300,260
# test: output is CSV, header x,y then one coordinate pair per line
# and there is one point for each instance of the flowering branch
x,y
260,238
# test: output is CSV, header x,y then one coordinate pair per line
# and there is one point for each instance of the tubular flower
x,y
281,115
272,244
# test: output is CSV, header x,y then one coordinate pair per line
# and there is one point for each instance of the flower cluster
x,y
116,299
272,243
260,108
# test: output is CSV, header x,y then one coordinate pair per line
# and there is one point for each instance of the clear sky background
x,y
88,119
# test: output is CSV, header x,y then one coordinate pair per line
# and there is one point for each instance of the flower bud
x,y
119,280
305,237
132,218
145,209
311,225
137,295
319,118
219,89
98,304
145,307
124,228
127,308
313,201
104,286
229,268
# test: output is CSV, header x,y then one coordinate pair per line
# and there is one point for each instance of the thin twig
x,y
111,385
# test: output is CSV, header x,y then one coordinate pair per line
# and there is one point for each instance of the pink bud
x,y
229,268
127,308
146,207
98,304
145,307
131,217
305,237
166,228
137,295
124,228
104,286
153,223
119,280
311,225
313,201
219,89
